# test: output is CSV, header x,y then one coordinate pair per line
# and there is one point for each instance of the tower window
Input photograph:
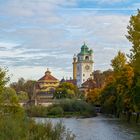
x,y
78,58
87,58
83,74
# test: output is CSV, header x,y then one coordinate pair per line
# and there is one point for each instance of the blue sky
x,y
40,34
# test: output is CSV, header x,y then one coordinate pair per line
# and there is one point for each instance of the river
x,y
99,128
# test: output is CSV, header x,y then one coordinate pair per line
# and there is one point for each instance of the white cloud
x,y
48,36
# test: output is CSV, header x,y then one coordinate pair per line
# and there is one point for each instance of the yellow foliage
x,y
93,95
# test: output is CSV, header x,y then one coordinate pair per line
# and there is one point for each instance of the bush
x,y
56,111
37,111
66,107
15,128
76,107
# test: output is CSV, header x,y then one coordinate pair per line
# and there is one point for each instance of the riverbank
x,y
15,125
65,108
124,118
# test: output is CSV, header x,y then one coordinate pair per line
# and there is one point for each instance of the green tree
x,y
8,97
66,90
134,37
23,85
118,62
3,79
23,96
29,86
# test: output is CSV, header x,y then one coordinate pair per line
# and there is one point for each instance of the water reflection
x,y
99,128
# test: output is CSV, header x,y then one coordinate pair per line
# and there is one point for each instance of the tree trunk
x,y
137,118
129,116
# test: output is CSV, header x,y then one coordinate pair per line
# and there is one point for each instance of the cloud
x,y
43,34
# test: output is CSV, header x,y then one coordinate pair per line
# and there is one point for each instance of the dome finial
x,y
47,72
84,42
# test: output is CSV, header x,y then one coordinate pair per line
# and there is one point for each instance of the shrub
x,y
56,111
37,111
15,128
77,107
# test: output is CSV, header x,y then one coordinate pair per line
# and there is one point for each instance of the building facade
x,y
83,65
45,87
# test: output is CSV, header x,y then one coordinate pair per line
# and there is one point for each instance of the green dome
x,y
84,47
91,51
85,50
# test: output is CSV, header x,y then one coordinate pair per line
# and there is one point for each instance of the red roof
x,y
90,83
48,77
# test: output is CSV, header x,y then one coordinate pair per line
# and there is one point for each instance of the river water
x,y
99,128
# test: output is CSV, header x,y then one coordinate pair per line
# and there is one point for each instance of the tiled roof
x,y
90,83
48,77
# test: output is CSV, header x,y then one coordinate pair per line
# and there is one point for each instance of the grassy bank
x,y
15,125
63,108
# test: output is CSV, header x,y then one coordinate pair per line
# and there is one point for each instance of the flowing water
x,y
99,128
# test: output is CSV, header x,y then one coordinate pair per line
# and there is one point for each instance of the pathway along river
x,y
99,128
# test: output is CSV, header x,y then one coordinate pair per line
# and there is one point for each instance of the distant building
x,y
72,81
88,85
83,65
45,87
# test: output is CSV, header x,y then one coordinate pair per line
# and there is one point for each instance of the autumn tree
x,y
134,37
94,96
118,62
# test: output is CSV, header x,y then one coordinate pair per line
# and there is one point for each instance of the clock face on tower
x,y
87,67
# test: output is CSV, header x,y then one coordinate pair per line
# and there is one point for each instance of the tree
x,y
134,37
8,97
118,62
94,96
66,90
3,79
23,96
26,86
108,98
29,86
19,85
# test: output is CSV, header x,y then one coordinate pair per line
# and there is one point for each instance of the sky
x,y
40,34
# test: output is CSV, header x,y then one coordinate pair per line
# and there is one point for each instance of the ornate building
x,y
45,86
83,65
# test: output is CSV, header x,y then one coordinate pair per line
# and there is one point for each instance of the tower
x,y
84,65
74,67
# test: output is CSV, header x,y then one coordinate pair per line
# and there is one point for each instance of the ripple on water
x,y
98,128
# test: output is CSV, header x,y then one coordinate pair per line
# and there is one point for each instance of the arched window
x,y
87,58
